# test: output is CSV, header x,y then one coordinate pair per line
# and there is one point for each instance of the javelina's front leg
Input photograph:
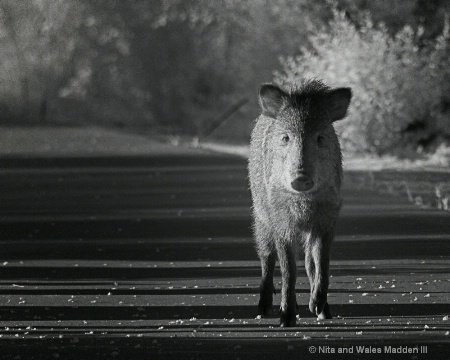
x,y
317,263
266,288
288,266
267,254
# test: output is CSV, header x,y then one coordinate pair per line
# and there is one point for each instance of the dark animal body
x,y
295,171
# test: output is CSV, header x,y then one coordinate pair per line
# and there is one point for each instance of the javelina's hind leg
x,y
288,308
317,263
310,268
267,254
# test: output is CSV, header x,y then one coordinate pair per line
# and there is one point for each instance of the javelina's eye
x,y
320,140
285,139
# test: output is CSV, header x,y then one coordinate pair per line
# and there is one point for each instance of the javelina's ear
x,y
338,101
271,99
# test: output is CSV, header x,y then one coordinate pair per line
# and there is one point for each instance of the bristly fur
x,y
307,96
285,220
306,89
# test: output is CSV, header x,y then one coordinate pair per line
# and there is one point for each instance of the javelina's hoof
x,y
264,309
325,314
287,319
317,304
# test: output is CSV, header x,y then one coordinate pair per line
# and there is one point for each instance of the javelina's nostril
x,y
302,183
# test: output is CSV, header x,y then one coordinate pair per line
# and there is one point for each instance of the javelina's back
x,y
295,171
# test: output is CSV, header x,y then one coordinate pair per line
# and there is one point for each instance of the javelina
x,y
295,171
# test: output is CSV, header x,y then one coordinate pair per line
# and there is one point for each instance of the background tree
x,y
37,44
184,66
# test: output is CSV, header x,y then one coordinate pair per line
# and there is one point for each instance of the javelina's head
x,y
304,147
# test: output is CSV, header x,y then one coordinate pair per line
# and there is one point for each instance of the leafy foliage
x,y
187,65
396,80
165,63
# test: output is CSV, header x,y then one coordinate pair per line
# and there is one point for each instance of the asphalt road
x,y
152,257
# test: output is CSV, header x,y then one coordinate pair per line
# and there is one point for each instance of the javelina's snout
x,y
302,182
